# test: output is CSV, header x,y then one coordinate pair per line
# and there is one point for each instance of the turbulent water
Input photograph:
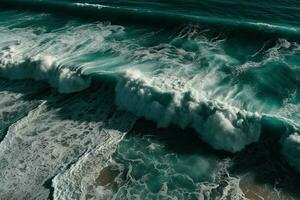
x,y
159,99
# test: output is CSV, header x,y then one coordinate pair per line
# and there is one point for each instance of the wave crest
x,y
44,68
222,126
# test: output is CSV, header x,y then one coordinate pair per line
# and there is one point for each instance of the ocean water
x,y
149,99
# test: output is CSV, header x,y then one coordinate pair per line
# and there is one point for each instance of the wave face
x,y
149,99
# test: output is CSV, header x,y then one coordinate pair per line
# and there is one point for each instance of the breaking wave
x,y
227,82
219,124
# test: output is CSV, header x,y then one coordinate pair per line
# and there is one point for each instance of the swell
x,y
152,17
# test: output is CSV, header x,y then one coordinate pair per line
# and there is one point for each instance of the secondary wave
x,y
157,16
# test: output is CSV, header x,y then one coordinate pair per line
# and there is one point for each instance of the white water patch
x,y
14,102
66,57
98,6
80,181
220,125
141,167
148,169
52,56
53,136
223,187
47,69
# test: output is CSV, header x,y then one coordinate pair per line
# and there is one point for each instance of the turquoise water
x,y
149,99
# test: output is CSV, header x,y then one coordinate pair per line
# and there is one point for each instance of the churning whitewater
x,y
149,99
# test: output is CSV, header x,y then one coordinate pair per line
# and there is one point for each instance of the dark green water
x,y
149,99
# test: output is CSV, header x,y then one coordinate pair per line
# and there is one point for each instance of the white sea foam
x,y
222,126
229,186
54,135
53,57
80,180
44,68
13,103
98,6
